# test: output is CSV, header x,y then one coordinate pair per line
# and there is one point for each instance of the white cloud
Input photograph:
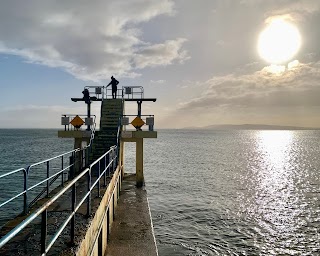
x,y
157,81
161,54
262,88
291,9
88,39
289,98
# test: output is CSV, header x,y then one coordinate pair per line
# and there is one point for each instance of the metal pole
x,y
139,108
62,174
25,187
86,156
105,171
73,219
48,175
89,113
89,196
99,172
109,164
43,231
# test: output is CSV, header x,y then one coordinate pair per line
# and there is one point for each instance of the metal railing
x,y
70,117
66,162
148,123
43,210
126,92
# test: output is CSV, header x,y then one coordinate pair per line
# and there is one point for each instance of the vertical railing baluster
x,y
73,156
87,156
105,171
108,224
99,172
89,190
43,232
113,160
73,219
109,164
48,184
113,205
25,187
62,174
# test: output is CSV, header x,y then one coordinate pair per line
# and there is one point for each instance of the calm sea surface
x,y
215,192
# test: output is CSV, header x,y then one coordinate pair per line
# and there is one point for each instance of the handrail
x,y
105,92
71,116
103,217
43,210
27,171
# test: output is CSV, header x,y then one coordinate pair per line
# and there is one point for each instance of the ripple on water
x,y
235,192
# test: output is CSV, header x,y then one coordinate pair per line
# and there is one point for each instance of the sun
x,y
279,42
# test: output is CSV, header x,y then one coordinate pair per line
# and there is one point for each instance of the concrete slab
x,y
132,230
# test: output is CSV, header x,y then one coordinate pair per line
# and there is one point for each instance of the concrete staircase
x,y
111,111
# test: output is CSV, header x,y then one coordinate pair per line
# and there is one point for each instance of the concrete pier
x,y
132,230
99,210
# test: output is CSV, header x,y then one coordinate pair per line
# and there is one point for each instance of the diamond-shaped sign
x,y
137,122
77,121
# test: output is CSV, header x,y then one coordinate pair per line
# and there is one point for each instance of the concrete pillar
x,y
139,162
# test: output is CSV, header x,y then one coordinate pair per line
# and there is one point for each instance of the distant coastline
x,y
251,127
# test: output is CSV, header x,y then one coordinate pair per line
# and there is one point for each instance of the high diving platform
x,y
85,196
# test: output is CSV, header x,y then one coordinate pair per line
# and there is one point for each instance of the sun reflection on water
x,y
274,149
276,195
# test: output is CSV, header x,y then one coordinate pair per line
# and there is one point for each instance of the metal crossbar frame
x,y
49,179
45,247
106,92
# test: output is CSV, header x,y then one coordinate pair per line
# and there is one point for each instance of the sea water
x,y
214,192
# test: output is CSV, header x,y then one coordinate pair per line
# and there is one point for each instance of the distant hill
x,y
251,127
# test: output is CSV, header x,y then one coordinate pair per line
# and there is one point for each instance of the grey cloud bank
x,y
199,58
89,39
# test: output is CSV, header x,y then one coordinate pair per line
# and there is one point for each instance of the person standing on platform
x,y
114,82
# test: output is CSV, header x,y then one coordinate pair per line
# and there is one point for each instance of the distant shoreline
x,y
251,127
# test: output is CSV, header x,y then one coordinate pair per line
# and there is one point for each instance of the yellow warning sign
x,y
137,122
77,121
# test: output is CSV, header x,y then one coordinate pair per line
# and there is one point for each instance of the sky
x,y
199,59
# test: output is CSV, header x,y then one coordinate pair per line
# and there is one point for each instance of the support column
x,y
139,162
89,113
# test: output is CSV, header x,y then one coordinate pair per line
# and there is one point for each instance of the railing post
x,y
62,174
99,172
113,162
89,190
86,156
109,164
73,219
48,174
43,231
25,187
73,165
105,171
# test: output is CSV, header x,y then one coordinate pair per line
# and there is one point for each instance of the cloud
x,y
161,54
88,39
290,9
296,86
289,98
157,81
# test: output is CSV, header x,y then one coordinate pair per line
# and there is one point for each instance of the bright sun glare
x,y
279,42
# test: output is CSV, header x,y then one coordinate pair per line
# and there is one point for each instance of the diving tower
x,y
114,124
77,215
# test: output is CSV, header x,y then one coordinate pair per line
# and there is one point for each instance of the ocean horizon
x,y
213,192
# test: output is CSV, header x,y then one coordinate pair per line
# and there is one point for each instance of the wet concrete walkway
x,y
132,231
